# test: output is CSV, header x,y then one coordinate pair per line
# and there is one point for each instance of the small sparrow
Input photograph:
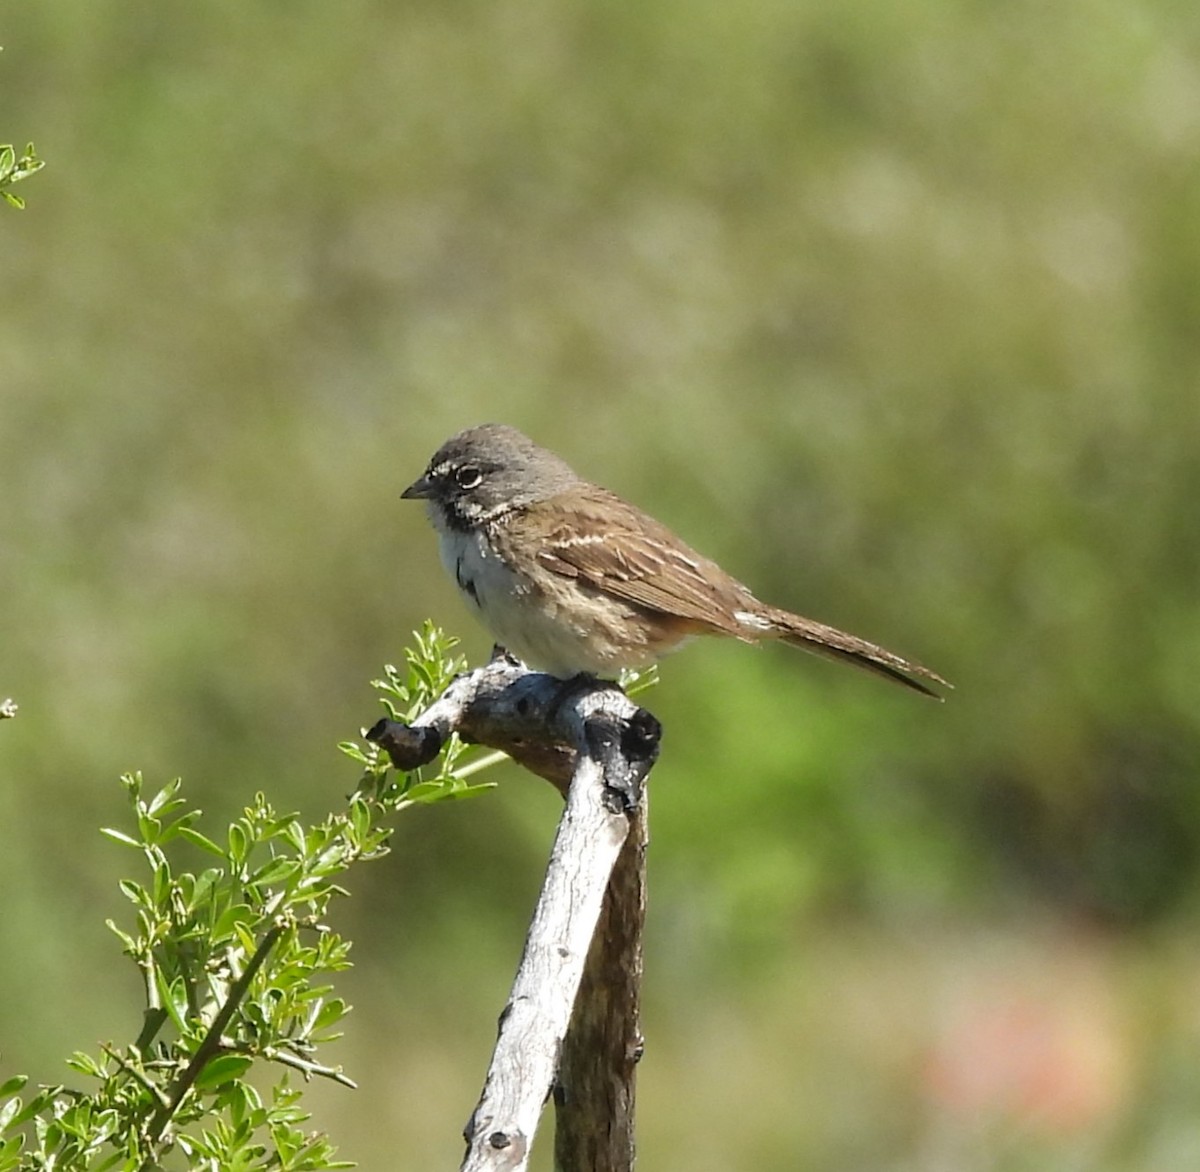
x,y
572,579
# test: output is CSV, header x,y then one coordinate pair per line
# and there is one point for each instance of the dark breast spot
x,y
465,584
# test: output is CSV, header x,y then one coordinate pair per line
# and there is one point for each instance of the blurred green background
x,y
892,307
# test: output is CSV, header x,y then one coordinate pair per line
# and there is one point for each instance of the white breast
x,y
498,595
535,625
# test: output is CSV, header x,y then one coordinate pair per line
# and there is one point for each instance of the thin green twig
x,y
211,1041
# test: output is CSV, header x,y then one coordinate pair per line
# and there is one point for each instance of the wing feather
x,y
620,551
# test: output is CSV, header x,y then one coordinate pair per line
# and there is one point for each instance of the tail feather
x,y
831,643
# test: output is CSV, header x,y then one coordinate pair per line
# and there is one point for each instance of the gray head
x,y
487,470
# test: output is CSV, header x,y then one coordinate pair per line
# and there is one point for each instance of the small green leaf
x,y
134,892
293,834
360,817
202,886
85,1064
238,843
162,882
222,1069
329,1014
198,839
8,1111
165,799
173,996
275,870
245,938
176,826
239,913
354,752
35,1106
425,791
128,941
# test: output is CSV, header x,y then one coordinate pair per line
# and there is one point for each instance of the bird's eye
x,y
467,477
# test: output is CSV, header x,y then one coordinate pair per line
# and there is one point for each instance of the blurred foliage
x,y
890,307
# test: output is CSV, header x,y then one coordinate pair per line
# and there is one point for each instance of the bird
x,y
575,581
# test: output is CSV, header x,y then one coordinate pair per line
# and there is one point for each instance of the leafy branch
x,y
235,960
14,168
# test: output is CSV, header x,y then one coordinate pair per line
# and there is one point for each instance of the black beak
x,y
419,490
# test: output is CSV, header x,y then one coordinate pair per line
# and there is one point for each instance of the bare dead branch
x,y
596,746
595,1088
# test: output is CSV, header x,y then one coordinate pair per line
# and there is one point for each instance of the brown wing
x,y
619,550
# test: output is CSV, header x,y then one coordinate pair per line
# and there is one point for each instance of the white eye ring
x,y
467,477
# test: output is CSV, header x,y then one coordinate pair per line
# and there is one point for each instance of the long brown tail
x,y
816,637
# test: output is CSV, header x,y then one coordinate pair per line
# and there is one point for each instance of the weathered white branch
x,y
608,744
534,1023
532,717
595,1090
